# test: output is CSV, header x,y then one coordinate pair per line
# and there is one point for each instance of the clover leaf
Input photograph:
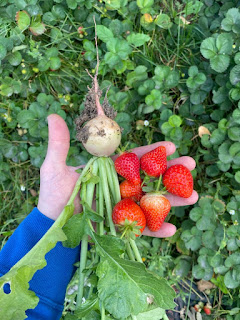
x,y
196,78
165,78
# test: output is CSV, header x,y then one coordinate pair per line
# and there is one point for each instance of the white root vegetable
x,y
103,136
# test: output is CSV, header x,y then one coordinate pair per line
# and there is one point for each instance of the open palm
x,y
57,180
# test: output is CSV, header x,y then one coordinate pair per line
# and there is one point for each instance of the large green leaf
x,y
124,285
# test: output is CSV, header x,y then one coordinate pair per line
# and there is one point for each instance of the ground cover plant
x,y
171,71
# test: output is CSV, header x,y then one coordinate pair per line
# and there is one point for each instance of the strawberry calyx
x,y
151,185
129,229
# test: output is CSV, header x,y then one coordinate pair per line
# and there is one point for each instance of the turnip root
x,y
103,136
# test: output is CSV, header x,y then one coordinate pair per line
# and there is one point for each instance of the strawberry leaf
x,y
37,27
23,20
125,285
22,272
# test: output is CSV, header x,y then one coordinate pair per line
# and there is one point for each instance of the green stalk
x,y
129,251
159,182
115,181
110,179
83,260
100,208
135,250
77,185
102,312
106,193
87,193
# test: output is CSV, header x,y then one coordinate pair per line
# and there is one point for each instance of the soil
x,y
90,112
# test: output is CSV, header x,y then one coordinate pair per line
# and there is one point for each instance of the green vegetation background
x,y
173,73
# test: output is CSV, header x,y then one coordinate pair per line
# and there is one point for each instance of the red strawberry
x,y
154,163
207,309
178,180
128,166
128,209
129,190
155,207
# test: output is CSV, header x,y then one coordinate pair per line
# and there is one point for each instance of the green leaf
x,y
21,298
115,4
192,238
85,308
175,121
124,121
132,279
119,47
208,48
165,78
192,7
220,63
138,39
163,21
144,4
15,58
153,314
55,63
233,133
219,282
235,75
74,229
154,99
104,33
232,21
23,20
224,43
232,279
3,52
196,214
37,28
25,118
195,81
139,74
237,176
72,4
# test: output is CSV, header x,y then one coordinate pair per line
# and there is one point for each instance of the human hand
x,y
57,180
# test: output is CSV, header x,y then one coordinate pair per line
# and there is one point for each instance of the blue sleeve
x,y
49,283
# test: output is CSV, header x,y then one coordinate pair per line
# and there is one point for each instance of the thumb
x,y
58,140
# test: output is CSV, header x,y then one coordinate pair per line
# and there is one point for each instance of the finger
x,y
166,230
176,201
58,140
140,151
185,160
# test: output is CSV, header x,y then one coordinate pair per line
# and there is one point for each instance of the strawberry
x,y
129,190
128,209
128,166
178,180
154,163
155,207
207,310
